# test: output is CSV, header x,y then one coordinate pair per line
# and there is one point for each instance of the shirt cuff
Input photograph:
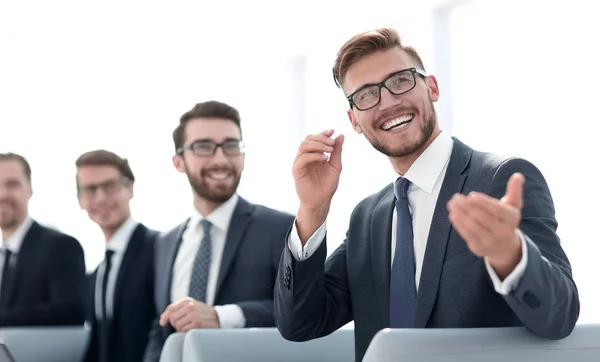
x,y
230,316
511,282
295,245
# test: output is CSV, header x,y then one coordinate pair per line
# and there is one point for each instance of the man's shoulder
x,y
267,213
51,234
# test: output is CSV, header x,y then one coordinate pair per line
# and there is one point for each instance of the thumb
x,y
335,159
514,190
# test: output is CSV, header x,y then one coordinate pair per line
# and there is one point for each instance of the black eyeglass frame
x,y
190,146
412,70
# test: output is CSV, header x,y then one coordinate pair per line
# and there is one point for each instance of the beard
x,y
215,194
9,219
426,130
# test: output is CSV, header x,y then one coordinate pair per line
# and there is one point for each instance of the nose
x,y
99,195
220,157
387,99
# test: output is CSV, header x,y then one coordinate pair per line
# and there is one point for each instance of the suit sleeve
x,y
545,299
259,313
66,279
312,297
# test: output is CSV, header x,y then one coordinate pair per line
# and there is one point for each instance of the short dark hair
x,y
209,109
365,44
106,158
22,160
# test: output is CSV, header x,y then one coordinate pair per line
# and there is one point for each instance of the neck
x,y
204,206
109,232
402,164
10,230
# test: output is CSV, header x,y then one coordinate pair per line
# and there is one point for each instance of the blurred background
x,y
516,76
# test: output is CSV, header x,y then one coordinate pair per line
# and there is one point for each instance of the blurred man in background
x,y
42,270
217,268
121,289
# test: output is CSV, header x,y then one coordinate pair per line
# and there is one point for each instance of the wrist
x,y
309,219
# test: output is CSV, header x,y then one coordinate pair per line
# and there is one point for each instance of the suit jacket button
x,y
531,300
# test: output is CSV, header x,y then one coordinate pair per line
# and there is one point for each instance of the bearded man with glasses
x,y
217,268
457,240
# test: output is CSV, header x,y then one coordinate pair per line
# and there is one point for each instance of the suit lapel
x,y
128,262
27,252
381,234
439,233
172,245
237,227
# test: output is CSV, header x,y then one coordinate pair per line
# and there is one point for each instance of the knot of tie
x,y
206,225
401,188
108,254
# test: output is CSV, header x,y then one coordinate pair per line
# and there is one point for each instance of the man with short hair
x,y
458,240
42,270
120,298
217,268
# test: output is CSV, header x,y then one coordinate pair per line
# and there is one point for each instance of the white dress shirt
x,y
13,243
230,315
426,176
118,244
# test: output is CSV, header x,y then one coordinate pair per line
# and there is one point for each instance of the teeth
x,y
394,122
218,175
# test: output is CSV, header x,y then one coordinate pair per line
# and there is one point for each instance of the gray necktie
x,y
201,265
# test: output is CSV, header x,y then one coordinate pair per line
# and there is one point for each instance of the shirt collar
x,y
220,217
14,242
427,168
118,242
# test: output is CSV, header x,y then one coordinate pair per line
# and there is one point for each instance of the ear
x,y
130,190
434,90
354,122
179,163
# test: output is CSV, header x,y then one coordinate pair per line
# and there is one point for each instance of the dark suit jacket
x,y
254,243
313,298
133,308
47,281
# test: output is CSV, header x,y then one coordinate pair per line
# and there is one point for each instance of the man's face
x,y
105,194
412,112
213,177
15,192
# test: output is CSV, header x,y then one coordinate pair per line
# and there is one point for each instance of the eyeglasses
x,y
207,148
397,83
109,187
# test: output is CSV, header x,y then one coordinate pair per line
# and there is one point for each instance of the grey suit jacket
x,y
247,274
315,297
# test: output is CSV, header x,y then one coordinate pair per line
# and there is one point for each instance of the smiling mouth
x,y
398,123
218,175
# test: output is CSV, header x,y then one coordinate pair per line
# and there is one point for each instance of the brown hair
x,y
106,158
210,109
22,160
367,43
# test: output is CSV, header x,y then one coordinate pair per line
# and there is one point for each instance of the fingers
x,y
335,159
514,190
320,144
166,316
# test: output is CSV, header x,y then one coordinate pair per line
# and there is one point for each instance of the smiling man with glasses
x,y
121,289
218,267
457,240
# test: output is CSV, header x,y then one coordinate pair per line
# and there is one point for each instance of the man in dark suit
x,y
216,269
120,298
459,240
42,270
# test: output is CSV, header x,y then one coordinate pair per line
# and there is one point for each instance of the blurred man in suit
x,y
458,240
121,289
42,270
216,269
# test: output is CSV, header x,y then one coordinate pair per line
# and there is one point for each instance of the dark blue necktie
x,y
201,265
403,291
